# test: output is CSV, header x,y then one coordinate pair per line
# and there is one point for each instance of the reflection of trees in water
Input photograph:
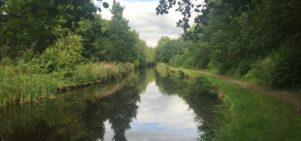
x,y
197,95
76,116
47,121
125,104
125,109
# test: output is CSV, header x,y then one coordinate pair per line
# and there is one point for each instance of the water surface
x,y
160,117
142,107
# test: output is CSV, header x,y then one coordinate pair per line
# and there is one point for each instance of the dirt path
x,y
290,97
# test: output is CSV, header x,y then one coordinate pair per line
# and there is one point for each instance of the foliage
x,y
123,49
166,49
243,38
65,53
280,68
186,8
32,25
49,44
38,25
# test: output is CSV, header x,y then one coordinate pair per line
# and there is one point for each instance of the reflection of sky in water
x,y
160,118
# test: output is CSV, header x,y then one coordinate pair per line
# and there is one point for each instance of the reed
x,y
100,71
19,87
24,86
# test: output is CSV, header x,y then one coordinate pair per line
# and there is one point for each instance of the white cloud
x,y
142,18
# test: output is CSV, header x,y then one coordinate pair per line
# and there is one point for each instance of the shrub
x,y
6,61
262,69
243,67
282,68
65,53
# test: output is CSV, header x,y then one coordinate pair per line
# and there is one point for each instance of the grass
x,y
251,116
23,86
16,87
100,71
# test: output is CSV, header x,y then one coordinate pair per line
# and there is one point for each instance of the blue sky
x,y
142,18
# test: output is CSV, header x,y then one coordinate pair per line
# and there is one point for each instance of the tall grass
x,y
17,85
100,71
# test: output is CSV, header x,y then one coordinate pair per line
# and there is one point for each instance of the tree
x,y
123,47
242,37
186,8
166,49
34,25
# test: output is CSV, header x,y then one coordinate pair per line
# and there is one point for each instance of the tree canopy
x,y
34,26
250,38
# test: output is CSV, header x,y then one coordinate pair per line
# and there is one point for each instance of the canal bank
x,y
250,115
25,84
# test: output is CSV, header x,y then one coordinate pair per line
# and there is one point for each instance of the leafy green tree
x,y
34,25
123,48
91,31
241,38
166,49
145,54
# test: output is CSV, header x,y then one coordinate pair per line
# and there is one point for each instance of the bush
x,y
6,61
262,69
243,67
65,53
287,70
282,68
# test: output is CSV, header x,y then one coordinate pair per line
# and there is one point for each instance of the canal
x,y
144,106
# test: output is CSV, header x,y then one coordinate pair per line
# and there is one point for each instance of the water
x,y
142,107
160,117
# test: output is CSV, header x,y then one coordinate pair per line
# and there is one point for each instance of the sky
x,y
142,18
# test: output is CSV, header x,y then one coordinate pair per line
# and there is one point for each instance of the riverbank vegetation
x,y
46,45
19,86
246,114
254,40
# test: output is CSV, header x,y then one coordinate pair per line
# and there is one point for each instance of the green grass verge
x,y
251,116
20,85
